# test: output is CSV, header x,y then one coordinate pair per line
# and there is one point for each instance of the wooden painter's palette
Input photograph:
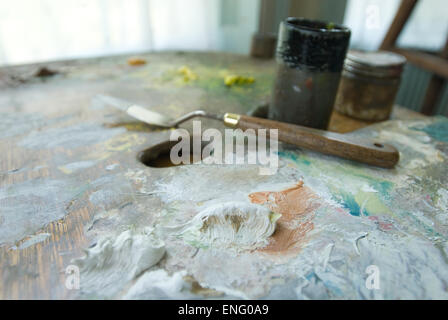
x,y
75,172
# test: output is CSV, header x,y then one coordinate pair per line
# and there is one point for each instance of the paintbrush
x,y
342,145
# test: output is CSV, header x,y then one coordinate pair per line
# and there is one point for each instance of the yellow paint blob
x,y
136,61
187,74
233,79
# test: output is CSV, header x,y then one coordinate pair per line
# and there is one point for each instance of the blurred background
x,y
44,30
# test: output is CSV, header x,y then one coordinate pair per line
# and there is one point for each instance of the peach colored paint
x,y
296,205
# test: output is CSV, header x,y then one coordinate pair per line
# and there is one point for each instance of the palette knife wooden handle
x,y
336,144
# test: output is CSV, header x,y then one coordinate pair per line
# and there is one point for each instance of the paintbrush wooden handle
x,y
336,144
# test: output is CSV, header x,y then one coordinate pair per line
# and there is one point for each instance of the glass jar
x,y
369,84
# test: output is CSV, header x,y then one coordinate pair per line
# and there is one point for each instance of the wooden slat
x,y
429,62
403,13
432,95
435,87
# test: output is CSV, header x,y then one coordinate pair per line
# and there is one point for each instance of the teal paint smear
x,y
383,187
349,202
306,162
437,130
293,156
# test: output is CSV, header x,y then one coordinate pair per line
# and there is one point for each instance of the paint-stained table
x,y
71,179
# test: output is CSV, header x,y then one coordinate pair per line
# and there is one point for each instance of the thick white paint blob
x,y
114,261
158,284
239,225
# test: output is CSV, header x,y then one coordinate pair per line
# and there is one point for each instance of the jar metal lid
x,y
382,64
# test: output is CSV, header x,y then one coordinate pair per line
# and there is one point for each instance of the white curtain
x,y
42,30
369,21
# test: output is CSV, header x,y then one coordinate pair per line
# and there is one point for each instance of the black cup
x,y
310,56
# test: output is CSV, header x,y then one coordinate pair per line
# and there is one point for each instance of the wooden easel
x,y
436,64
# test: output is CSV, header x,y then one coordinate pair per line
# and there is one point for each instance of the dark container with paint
x,y
310,56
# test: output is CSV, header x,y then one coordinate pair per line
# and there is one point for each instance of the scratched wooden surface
x,y
31,106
